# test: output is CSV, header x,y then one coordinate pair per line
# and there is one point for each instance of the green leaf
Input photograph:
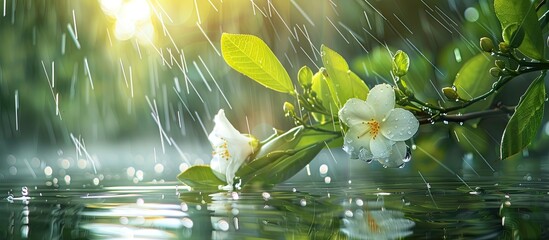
x,y
513,34
401,63
522,12
250,56
285,155
286,166
474,79
200,176
305,76
358,83
342,87
526,121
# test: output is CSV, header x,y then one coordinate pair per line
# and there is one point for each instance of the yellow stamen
x,y
373,127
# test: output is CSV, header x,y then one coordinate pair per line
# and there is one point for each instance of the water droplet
x,y
184,207
48,171
223,225
327,180
266,196
13,170
159,168
235,196
348,213
96,181
323,169
303,202
359,202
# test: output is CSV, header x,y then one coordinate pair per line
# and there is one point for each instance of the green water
x,y
492,205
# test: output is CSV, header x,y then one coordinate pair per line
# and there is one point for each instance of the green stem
x,y
460,118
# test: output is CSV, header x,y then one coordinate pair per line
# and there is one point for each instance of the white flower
x,y
375,125
231,148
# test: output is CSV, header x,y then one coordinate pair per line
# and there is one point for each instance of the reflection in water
x,y
284,214
363,209
138,220
372,221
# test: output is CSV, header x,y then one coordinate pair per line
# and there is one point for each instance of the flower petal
x,y
222,126
382,100
399,125
356,145
355,112
218,166
381,146
397,156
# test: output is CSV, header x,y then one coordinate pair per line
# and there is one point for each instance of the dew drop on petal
x,y
408,155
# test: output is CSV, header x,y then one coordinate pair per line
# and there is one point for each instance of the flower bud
x,y
486,44
450,93
503,47
500,64
495,72
288,108
305,77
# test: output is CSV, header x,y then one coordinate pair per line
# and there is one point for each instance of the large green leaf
x,y
526,121
522,12
474,79
342,85
285,155
200,176
250,56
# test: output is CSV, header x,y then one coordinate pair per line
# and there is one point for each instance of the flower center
x,y
222,150
373,128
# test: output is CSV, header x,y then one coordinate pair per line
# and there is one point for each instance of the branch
x,y
460,118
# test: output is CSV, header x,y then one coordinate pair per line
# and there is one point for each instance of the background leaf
x,y
471,139
250,56
522,12
474,79
526,121
342,87
200,176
